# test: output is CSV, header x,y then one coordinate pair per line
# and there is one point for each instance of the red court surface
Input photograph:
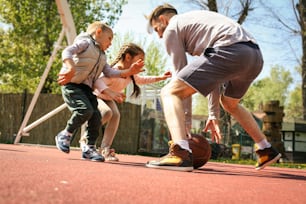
x,y
40,174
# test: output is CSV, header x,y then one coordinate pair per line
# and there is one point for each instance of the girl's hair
x,y
91,29
133,50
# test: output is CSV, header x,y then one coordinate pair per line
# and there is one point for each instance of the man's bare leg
x,y
266,154
243,117
172,98
180,156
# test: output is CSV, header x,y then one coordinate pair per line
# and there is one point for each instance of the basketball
x,y
201,150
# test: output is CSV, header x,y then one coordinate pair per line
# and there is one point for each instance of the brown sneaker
x,y
177,159
266,157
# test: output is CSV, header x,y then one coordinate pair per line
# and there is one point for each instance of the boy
x,y
83,62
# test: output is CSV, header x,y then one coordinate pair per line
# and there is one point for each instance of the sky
x,y
278,45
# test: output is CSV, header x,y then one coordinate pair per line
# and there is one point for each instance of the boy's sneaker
x,y
177,159
266,157
108,154
90,153
62,142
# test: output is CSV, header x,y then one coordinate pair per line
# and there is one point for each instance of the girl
x,y
129,55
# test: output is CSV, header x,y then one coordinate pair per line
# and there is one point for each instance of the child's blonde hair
x,y
91,29
133,50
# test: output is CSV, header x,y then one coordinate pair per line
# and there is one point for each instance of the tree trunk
x,y
301,7
304,74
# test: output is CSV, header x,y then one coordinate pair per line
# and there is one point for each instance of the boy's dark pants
x,y
84,107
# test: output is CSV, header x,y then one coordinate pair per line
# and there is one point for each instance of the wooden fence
x,y
14,106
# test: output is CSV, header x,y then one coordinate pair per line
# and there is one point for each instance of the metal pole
x,y
44,118
66,19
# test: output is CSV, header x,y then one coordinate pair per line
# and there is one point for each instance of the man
x,y
228,56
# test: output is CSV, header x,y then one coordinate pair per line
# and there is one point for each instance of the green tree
x,y
294,105
301,18
274,87
118,41
297,28
200,105
34,26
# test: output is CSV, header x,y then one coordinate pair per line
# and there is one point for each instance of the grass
x,y
252,162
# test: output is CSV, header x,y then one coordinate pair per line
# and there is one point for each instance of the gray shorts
x,y
235,66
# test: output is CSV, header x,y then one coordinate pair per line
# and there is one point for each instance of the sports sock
x,y
184,144
263,144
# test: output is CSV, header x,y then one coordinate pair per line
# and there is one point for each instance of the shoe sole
x,y
172,168
85,159
58,147
269,162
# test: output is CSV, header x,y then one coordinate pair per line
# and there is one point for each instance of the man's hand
x,y
213,127
116,96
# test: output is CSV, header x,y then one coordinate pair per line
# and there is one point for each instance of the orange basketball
x,y
201,150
